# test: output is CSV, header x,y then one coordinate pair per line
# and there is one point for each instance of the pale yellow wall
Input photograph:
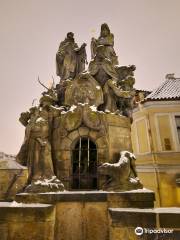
x,y
165,133
160,124
142,136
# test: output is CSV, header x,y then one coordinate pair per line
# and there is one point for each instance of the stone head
x,y
128,155
105,31
33,110
70,36
46,101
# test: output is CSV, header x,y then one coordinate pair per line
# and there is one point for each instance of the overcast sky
x,y
147,34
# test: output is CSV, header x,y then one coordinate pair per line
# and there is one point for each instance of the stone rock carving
x,y
84,89
105,39
126,81
101,68
106,75
70,60
35,152
121,175
81,103
79,115
111,95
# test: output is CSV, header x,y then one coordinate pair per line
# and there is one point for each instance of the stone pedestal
x,y
26,221
84,215
87,216
111,136
150,224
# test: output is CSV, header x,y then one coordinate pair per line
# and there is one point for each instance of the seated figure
x,y
106,75
121,175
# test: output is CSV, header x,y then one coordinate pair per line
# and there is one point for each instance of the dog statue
x,y
121,176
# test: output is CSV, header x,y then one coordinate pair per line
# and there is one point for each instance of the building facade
x,y
156,141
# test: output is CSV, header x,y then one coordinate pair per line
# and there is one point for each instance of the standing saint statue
x,y
70,59
105,39
35,152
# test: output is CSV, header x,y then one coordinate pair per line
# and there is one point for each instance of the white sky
x,y
147,34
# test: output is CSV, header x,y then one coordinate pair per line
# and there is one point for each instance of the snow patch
x,y
40,119
73,107
52,182
93,108
15,204
98,87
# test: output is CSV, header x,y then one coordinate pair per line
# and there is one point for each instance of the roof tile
x,y
169,89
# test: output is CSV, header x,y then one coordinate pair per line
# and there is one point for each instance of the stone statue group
x,y
115,81
105,85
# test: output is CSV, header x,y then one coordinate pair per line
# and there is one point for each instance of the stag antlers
x,y
52,86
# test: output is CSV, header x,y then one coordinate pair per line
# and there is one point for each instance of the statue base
x,y
85,214
141,198
93,215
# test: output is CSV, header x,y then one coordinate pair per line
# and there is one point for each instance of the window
x,y
84,165
177,119
165,134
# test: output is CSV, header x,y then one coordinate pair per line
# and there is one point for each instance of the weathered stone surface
x,y
28,212
102,155
92,119
63,174
84,89
66,228
123,222
73,62
102,142
72,119
96,134
26,221
64,155
90,219
64,164
12,181
88,104
29,231
105,39
135,199
57,122
36,150
110,139
58,134
4,231
123,217
95,216
83,131
65,144
122,175
119,135
169,217
73,135
117,120
117,233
